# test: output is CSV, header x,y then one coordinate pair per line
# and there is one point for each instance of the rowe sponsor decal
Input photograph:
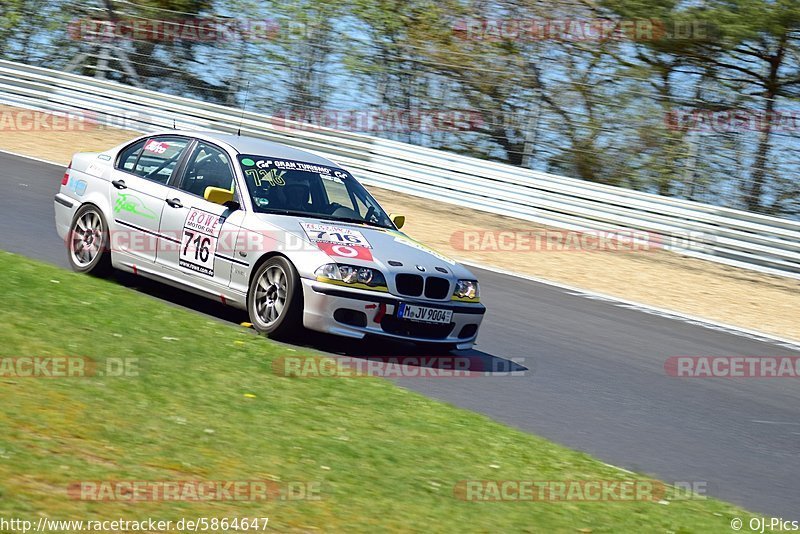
x,y
199,243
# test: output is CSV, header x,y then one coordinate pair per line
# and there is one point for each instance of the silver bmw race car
x,y
285,234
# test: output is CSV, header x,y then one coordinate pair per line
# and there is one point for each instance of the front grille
x,y
409,284
400,327
436,287
412,285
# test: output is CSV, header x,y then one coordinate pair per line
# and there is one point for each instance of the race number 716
x,y
201,244
350,238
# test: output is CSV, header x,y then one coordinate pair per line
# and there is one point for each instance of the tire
x,y
88,242
275,299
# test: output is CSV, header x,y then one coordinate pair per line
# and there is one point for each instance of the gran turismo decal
x,y
289,165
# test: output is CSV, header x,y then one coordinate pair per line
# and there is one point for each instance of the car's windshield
x,y
298,188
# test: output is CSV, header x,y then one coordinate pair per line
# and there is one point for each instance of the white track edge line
x,y
645,308
57,164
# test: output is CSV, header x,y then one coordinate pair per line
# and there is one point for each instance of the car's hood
x,y
390,250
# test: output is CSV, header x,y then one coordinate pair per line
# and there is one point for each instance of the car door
x,y
205,230
138,190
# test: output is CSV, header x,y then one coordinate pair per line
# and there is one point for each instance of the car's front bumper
x,y
356,313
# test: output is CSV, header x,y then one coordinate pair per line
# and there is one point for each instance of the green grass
x,y
207,406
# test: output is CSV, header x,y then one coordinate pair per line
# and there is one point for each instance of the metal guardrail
x,y
724,235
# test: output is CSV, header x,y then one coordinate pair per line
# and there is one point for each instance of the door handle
x,y
174,203
119,184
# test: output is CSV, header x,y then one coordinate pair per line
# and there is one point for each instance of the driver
x,y
297,196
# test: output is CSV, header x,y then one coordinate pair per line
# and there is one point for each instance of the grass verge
x,y
206,406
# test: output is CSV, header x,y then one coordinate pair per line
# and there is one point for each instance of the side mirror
x,y
398,220
217,195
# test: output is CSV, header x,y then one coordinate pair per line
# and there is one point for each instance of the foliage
x,y
599,109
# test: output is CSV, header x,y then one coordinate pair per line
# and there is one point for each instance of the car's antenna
x,y
174,126
241,119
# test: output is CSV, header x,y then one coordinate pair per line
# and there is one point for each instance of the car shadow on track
x,y
404,353
386,350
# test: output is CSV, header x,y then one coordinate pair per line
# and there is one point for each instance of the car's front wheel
x,y
88,243
275,299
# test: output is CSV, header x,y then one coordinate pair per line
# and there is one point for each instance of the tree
x,y
756,52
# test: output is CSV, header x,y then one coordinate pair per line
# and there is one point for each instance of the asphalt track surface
x,y
594,377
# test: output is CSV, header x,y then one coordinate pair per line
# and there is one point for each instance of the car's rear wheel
x,y
88,243
275,299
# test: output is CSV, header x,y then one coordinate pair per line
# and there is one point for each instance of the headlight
x,y
365,275
351,275
467,290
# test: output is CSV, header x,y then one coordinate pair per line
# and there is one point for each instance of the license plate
x,y
423,314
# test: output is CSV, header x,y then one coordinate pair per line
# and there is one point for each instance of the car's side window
x,y
129,155
208,166
158,157
361,205
337,192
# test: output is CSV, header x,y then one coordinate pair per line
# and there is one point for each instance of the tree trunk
x,y
756,187
755,192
